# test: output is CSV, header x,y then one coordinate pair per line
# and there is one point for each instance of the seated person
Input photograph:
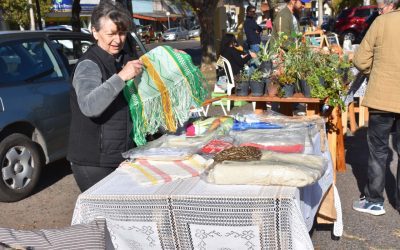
x,y
236,56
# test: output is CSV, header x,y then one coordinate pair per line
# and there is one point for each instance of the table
x,y
194,214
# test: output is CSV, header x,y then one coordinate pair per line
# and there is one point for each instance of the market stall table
x,y
192,213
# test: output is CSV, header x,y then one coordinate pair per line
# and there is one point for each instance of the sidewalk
x,y
361,231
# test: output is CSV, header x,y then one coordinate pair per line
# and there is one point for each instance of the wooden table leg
x,y
341,161
352,117
312,109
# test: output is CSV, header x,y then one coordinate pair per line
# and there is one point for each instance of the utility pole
x,y
31,15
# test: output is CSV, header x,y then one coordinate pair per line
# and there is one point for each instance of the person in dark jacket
x,y
238,58
100,121
252,29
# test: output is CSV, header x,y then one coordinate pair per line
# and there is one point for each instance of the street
x,y
52,204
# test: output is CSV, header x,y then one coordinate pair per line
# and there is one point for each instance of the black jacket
x,y
251,28
234,56
100,141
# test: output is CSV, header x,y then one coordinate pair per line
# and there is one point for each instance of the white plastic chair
x,y
226,65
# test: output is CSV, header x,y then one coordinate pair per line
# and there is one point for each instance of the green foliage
x,y
243,76
256,75
286,79
17,11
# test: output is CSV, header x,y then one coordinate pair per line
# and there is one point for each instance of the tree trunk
x,y
75,16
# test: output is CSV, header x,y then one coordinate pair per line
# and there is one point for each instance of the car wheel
x,y
21,162
349,35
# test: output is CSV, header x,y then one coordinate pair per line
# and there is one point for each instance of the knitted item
x,y
164,93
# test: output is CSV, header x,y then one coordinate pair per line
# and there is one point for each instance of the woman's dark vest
x,y
100,141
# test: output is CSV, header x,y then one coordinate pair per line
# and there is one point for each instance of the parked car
x,y
34,104
174,34
194,31
65,28
350,22
35,70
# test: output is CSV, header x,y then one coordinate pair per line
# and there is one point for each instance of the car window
x,y
72,49
172,30
362,12
28,61
344,13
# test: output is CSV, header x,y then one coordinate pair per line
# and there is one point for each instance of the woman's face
x,y
109,37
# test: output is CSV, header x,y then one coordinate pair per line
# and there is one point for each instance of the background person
x,y
100,120
252,29
238,58
286,19
378,56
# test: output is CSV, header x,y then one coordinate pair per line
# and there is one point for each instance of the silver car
x,y
175,34
194,31
34,104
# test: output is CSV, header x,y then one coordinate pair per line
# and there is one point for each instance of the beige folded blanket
x,y
269,172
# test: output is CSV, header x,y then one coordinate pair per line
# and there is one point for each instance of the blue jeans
x,y
255,48
379,128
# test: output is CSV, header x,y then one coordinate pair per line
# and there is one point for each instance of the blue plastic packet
x,y
240,126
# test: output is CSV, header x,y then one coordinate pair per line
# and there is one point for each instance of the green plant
x,y
285,78
256,75
243,77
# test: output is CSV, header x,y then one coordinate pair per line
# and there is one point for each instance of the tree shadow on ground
x,y
357,153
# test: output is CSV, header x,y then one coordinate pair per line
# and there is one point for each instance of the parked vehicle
x,y
350,22
194,31
175,34
65,28
35,70
34,104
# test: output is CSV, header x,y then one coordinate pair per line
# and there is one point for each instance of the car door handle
x,y
1,105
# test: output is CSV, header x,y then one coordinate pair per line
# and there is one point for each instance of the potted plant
x,y
287,82
256,83
272,86
242,86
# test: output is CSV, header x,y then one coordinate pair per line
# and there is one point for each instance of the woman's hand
x,y
252,54
131,69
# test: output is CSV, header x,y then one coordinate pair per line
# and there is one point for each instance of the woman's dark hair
x,y
227,41
115,12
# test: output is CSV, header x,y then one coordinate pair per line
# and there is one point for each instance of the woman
x,y
100,121
235,55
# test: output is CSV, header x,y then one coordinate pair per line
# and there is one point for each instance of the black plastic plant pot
x,y
288,90
305,88
242,89
257,88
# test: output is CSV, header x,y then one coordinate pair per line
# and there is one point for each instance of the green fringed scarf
x,y
164,93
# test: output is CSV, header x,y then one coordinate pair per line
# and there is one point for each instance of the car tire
x,y
21,163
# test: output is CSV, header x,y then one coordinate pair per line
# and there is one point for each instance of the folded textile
x,y
263,172
294,148
146,172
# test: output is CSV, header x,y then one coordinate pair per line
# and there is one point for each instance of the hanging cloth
x,y
163,94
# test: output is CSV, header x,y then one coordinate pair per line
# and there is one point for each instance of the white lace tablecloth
x,y
194,214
